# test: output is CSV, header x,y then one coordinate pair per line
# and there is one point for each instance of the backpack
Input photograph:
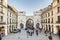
x,y
50,37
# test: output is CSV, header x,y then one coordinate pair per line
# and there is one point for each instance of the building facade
x,y
8,17
50,17
3,17
23,19
11,18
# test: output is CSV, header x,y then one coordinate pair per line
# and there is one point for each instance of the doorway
x,y
29,23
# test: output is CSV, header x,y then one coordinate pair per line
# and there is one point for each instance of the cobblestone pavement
x,y
23,36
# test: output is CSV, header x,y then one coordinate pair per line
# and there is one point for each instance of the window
x,y
1,18
48,14
52,13
10,21
58,1
58,19
1,9
58,9
52,20
10,14
48,20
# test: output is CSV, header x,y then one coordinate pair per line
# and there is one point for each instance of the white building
x,y
23,19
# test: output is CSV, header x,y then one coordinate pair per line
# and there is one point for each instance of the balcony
x,y
57,21
43,22
1,23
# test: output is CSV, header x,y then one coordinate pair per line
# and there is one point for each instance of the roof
x,y
13,8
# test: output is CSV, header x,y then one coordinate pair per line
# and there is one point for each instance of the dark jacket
x,y
50,37
0,37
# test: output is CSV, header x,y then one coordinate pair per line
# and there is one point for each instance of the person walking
x,y
27,33
45,32
50,37
59,34
0,36
37,32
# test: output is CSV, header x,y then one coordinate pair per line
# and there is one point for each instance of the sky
x,y
29,6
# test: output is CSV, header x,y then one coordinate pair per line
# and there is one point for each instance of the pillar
x,y
55,29
6,30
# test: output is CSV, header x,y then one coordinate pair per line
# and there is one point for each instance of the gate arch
x,y
30,23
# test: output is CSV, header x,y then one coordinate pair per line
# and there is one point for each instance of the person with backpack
x,y
50,37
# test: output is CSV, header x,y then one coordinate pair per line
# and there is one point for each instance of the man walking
x,y
59,34
0,36
37,31
50,37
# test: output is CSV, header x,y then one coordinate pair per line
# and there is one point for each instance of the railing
x,y
57,21
2,23
43,22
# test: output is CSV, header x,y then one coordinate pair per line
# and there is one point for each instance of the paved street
x,y
23,36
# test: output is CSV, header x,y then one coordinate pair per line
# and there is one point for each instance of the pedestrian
x,y
33,30
0,37
50,37
45,32
59,34
27,33
37,32
40,29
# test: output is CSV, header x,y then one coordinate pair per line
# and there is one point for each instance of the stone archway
x,y
29,23
21,25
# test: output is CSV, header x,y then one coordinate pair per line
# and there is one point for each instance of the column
x,y
6,30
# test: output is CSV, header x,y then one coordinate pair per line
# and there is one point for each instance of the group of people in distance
x,y
30,31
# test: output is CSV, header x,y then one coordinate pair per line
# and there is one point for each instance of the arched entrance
x,y
29,23
21,26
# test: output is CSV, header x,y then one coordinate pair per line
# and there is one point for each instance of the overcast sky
x,y
29,6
